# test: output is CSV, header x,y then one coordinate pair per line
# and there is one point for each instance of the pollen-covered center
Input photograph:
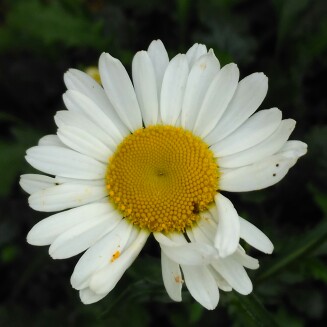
x,y
161,177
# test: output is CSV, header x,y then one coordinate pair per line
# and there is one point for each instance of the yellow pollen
x,y
115,256
161,177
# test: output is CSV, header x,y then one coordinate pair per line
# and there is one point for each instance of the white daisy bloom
x,y
129,160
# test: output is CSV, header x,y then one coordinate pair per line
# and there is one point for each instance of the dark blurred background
x,y
286,39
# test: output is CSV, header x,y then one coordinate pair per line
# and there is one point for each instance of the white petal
x,y
159,57
98,255
51,140
176,238
235,274
172,277
85,84
212,210
256,129
45,231
202,286
32,183
80,237
208,225
262,150
85,143
228,231
248,96
257,176
187,254
64,162
255,237
197,235
88,297
221,282
245,260
106,279
120,91
172,91
294,149
78,102
195,52
190,235
60,197
79,120
94,182
198,82
219,94
144,80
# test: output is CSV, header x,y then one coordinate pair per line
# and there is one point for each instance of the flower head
x,y
129,160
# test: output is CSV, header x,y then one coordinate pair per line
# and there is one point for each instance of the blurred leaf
x,y
8,231
303,245
317,269
319,197
252,311
288,319
35,23
196,311
137,292
315,44
289,11
183,8
137,316
12,156
7,117
146,268
9,253
229,35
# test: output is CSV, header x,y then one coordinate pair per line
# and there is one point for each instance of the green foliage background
x,y
286,39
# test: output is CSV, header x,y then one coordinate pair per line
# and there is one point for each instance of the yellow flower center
x,y
161,177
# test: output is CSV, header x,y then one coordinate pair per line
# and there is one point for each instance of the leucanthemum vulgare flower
x,y
152,157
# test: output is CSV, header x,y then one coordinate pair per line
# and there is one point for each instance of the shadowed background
x,y
286,39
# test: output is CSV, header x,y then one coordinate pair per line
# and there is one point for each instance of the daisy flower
x,y
152,156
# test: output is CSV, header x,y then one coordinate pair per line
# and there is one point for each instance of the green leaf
x,y
317,269
287,319
38,24
146,268
196,312
319,197
9,253
302,246
288,16
12,156
251,311
7,117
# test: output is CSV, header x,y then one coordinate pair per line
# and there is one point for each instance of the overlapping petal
x,y
201,75
248,96
48,229
81,82
120,91
64,162
160,60
145,87
173,88
216,100
172,277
